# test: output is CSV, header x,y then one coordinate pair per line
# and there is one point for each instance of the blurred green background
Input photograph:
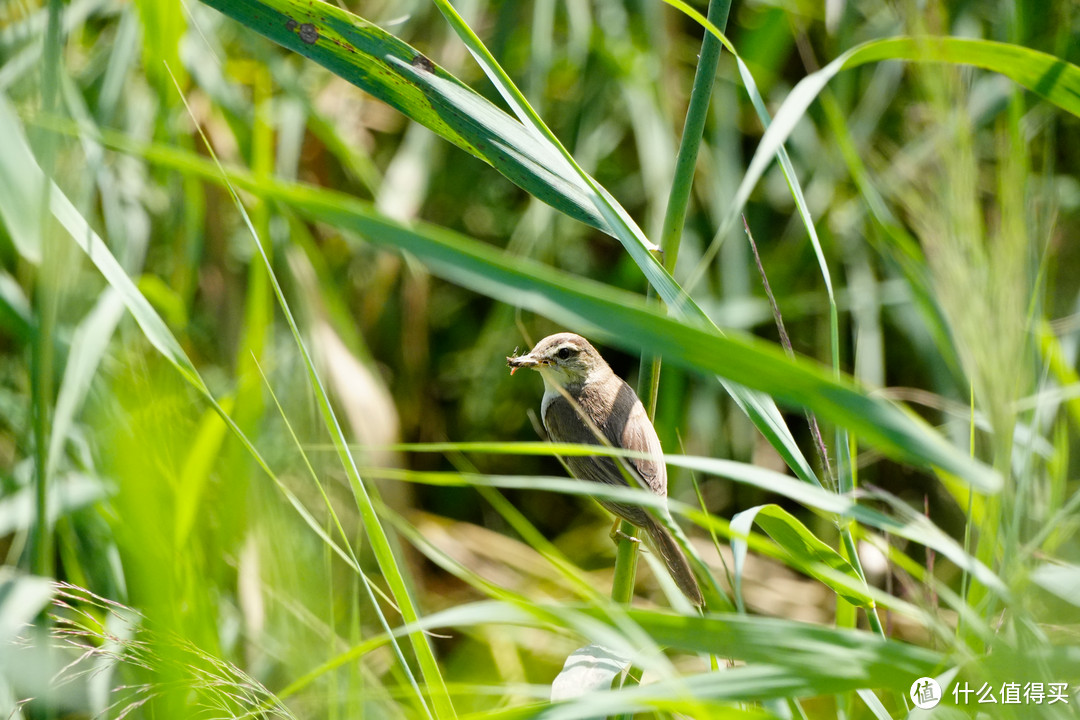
x,y
947,203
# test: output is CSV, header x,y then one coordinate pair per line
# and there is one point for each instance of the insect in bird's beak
x,y
516,362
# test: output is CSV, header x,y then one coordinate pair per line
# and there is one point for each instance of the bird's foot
x,y
617,534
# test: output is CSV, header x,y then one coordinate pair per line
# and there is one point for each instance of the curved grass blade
x,y
22,597
1052,78
586,670
806,551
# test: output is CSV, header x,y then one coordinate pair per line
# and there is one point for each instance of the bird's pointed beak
x,y
521,361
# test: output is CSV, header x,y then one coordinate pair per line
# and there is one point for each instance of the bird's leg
x,y
616,534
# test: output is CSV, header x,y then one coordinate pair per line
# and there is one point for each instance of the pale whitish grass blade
x,y
15,314
1062,580
22,597
67,493
586,670
20,194
88,346
874,704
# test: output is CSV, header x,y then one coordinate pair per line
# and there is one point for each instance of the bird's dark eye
x,y
564,353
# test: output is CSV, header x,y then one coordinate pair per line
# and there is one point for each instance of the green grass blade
x,y
617,316
910,525
690,142
806,550
819,655
408,81
1052,78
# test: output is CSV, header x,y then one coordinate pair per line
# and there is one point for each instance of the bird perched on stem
x,y
585,402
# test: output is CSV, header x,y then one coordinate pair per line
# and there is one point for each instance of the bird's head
x,y
563,359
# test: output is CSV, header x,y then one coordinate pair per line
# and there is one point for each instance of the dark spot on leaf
x,y
308,33
420,60
291,24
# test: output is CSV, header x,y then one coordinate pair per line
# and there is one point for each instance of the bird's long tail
x,y
661,541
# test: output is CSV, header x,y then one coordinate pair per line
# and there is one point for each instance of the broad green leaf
x,y
806,551
404,78
616,316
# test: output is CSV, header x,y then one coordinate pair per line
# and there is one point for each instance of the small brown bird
x,y
584,397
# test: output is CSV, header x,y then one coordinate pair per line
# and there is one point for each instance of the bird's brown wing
x,y
639,434
564,424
